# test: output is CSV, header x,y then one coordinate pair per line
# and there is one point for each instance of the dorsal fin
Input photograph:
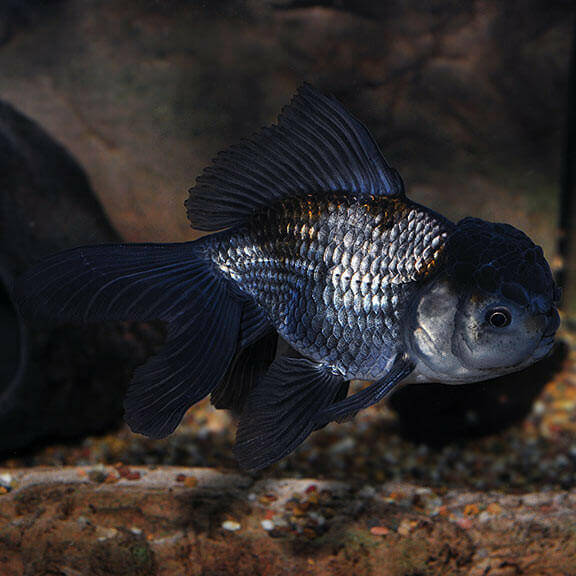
x,y
317,146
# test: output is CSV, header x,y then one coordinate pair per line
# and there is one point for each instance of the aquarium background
x,y
466,99
109,109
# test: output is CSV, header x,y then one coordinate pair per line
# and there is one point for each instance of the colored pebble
x,y
267,525
231,525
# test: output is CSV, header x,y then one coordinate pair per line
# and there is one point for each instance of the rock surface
x,y
466,98
193,522
66,381
46,201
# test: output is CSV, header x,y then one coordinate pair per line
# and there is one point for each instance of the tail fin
x,y
172,282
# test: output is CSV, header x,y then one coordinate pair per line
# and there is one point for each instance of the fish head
x,y
491,309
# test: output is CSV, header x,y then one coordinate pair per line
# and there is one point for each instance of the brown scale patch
x,y
391,210
307,211
431,264
311,208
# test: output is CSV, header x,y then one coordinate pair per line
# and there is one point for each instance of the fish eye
x,y
499,317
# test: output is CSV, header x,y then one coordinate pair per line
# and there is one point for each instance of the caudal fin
x,y
171,282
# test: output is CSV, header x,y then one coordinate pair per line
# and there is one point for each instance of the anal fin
x,y
341,394
281,411
200,346
247,368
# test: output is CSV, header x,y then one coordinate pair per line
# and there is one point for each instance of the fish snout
x,y
552,324
546,309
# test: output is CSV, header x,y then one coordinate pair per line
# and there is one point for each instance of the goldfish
x,y
312,239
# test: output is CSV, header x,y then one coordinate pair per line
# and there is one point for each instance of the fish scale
x,y
361,258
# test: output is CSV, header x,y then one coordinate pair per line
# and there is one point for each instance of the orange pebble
x,y
471,510
494,508
190,481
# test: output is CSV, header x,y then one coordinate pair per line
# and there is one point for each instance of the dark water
x,y
9,339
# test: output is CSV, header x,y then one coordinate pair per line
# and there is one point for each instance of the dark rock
x,y
465,98
17,13
437,414
65,381
46,201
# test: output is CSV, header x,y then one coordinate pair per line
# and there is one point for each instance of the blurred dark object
x,y
436,414
15,13
567,220
46,202
54,382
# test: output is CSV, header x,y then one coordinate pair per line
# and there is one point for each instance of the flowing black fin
x,y
280,412
349,407
317,146
113,282
171,282
340,395
247,369
200,347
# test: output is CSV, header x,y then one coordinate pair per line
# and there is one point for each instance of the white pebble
x,y
267,525
538,408
6,479
231,525
367,492
106,533
344,445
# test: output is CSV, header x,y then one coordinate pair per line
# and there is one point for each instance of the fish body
x,y
335,274
313,239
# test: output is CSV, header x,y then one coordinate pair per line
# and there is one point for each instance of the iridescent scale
x,y
335,274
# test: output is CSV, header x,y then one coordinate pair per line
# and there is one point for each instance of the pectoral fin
x,y
377,391
281,411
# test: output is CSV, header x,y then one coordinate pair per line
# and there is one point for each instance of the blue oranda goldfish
x,y
313,239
